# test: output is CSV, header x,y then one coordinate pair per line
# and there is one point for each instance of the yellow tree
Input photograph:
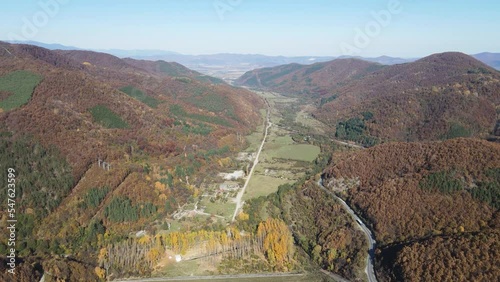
x,y
277,243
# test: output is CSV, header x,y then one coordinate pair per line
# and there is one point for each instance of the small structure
x,y
140,233
233,176
245,156
178,258
229,186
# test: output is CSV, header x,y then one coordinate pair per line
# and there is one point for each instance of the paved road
x,y
371,241
239,202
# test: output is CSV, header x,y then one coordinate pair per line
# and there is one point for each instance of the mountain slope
x,y
69,89
162,136
438,97
441,96
110,63
415,195
316,79
172,69
91,58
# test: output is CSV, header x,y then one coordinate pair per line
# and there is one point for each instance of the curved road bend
x,y
371,241
239,197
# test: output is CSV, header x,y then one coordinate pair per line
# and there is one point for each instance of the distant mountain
x,y
491,59
384,60
438,97
140,53
236,59
316,79
232,66
263,60
50,46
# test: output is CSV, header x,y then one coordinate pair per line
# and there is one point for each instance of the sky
x,y
399,28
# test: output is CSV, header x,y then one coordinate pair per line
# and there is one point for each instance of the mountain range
x,y
231,66
440,96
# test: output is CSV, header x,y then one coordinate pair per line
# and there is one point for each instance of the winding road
x,y
371,241
239,197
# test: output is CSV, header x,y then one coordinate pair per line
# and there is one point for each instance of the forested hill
x,y
438,97
163,130
429,205
313,80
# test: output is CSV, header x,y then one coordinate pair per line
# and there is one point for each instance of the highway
x,y
370,273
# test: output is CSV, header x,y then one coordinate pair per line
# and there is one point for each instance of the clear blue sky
x,y
271,27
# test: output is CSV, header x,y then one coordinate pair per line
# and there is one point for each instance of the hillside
x,y
70,89
441,96
172,69
163,136
438,97
427,202
317,79
152,68
103,60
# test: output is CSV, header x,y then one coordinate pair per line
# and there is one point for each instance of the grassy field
x,y
305,118
275,141
223,209
184,268
299,152
262,185
139,95
283,147
21,84
106,117
254,140
280,154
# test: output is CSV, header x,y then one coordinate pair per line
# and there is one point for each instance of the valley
x,y
269,169
344,170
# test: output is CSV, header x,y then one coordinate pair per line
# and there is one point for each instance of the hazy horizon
x,y
244,54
